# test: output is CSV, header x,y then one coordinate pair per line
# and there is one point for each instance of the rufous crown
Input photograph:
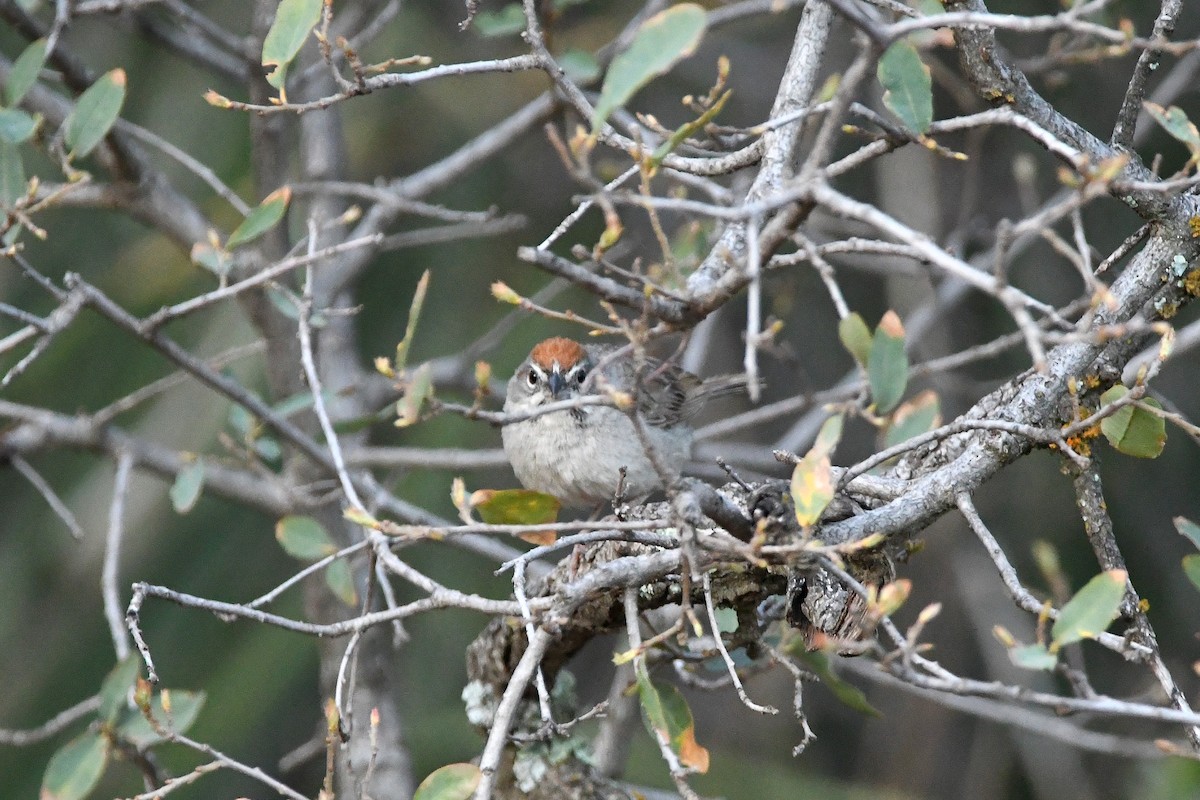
x,y
567,352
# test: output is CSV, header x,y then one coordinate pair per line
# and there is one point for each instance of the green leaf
x,y
580,65
268,448
95,113
115,689
668,718
1191,568
1175,122
16,126
1133,430
24,73
812,487
340,580
1091,610
75,769
660,43
185,706
927,37
919,415
508,20
294,20
908,91
303,538
12,175
727,619
887,367
261,219
250,431
515,506
288,304
185,491
298,402
419,389
855,336
451,782
213,259
1189,529
848,694
1146,435
410,329
1118,422
241,420
1033,656
284,302
829,435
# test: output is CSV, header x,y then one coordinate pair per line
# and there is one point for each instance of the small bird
x,y
577,454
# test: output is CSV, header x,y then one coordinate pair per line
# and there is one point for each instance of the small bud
x,y
1003,636
892,596
581,143
928,613
458,496
1166,345
141,693
622,400
504,293
1068,178
1110,168
483,375
360,517
331,716
218,100
612,234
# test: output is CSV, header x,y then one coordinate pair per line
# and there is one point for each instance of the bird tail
x,y
722,385
714,387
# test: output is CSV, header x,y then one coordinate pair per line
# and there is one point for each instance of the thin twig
x,y
51,727
112,556
729,665
47,491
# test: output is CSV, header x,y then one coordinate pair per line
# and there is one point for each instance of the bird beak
x,y
556,382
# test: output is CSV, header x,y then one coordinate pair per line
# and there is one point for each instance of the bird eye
x,y
531,378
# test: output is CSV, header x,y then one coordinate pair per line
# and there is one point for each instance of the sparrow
x,y
578,454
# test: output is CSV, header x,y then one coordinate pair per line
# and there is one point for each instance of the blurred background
x,y
262,698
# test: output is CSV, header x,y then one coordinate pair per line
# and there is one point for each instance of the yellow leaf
x,y
539,538
812,487
514,506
